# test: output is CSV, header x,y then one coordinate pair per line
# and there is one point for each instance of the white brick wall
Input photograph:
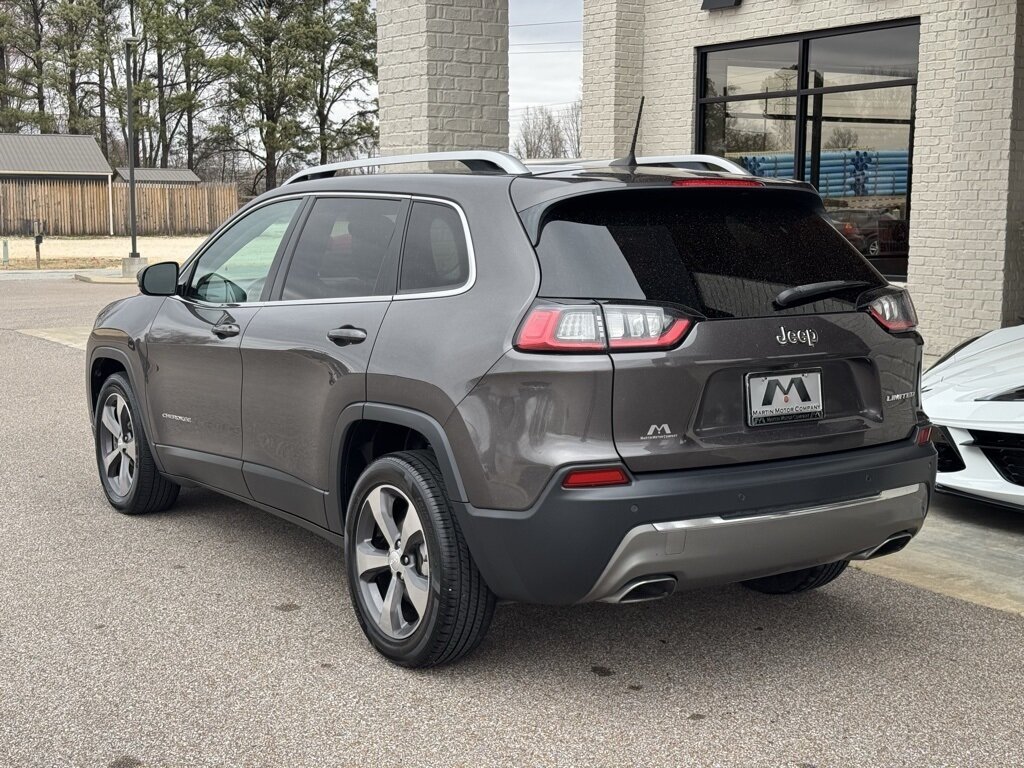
x,y
443,74
613,66
968,180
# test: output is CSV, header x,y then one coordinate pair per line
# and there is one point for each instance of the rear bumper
x,y
708,526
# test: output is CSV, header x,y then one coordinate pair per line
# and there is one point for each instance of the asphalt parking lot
x,y
215,634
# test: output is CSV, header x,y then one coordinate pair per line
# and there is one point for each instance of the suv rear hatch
x,y
758,374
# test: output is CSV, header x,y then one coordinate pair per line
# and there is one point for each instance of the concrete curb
x,y
106,279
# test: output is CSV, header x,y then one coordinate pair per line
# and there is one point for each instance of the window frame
x,y
189,266
275,278
803,90
470,255
391,259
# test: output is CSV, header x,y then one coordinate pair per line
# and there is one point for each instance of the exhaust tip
x,y
642,590
890,546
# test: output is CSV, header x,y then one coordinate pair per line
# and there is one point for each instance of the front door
x,y
194,372
305,354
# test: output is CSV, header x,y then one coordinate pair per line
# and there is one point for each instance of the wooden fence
x,y
85,206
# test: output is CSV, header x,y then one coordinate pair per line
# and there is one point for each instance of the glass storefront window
x,y
842,120
749,71
759,134
859,149
864,57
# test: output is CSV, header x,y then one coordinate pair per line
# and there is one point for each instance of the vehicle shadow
x,y
720,631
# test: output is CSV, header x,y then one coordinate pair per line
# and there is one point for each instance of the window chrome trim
x,y
470,254
470,257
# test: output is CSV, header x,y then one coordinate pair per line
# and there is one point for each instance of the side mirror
x,y
159,279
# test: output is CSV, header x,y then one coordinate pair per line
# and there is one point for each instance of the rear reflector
x,y
596,328
894,312
924,435
715,182
596,478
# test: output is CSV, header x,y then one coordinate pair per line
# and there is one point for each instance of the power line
x,y
549,42
538,53
549,104
548,23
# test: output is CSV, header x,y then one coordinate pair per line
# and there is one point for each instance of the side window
x,y
435,256
342,249
234,269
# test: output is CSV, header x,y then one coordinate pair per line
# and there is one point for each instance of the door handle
x,y
223,330
346,335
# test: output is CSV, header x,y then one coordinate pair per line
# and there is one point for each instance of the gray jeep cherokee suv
x,y
592,383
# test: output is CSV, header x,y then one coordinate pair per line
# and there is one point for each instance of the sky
x,y
545,55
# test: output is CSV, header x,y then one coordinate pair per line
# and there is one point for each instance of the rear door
x,y
306,354
751,381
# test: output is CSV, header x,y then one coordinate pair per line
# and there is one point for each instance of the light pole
x,y
133,256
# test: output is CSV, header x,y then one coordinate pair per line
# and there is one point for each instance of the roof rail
x,y
474,160
716,163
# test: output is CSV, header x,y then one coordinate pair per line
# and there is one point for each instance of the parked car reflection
x,y
881,234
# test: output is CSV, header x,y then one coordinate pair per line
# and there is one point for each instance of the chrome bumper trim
x,y
717,550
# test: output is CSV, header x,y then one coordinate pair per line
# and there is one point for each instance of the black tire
x,y
798,581
458,606
149,491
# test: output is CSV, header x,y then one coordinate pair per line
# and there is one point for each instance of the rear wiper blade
x,y
804,294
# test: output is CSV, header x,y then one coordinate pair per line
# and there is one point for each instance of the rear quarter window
x,y
435,256
723,253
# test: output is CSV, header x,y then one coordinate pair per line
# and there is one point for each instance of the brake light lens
x,y
717,182
894,311
924,435
596,328
643,327
562,329
596,478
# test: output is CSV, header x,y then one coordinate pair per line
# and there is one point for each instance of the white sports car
x,y
975,395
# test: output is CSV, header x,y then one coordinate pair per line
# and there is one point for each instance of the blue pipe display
x,y
843,173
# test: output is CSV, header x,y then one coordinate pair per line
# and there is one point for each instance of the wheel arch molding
x,y
365,431
105,361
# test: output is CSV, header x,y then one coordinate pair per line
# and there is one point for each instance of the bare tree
x,y
842,138
540,135
572,128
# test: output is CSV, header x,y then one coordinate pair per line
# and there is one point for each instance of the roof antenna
x,y
630,159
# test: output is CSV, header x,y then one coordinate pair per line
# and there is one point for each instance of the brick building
x,y
907,115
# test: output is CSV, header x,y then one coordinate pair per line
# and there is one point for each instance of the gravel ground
x,y
215,634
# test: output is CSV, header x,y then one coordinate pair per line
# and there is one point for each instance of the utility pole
x,y
131,266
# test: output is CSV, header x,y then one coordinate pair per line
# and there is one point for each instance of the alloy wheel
x,y
391,562
117,445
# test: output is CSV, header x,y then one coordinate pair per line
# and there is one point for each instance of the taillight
x,y
596,478
596,328
642,327
562,329
894,312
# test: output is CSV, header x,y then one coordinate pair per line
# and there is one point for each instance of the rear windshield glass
x,y
723,253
